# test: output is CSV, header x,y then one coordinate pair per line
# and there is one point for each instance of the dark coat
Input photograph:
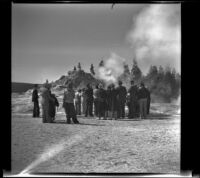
x,y
89,95
133,93
143,93
114,101
52,105
121,94
35,96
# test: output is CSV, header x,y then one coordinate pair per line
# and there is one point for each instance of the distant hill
x,y
21,87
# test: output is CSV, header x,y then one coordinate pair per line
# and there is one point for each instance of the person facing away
x,y
68,104
108,102
121,97
132,100
148,101
89,101
114,102
96,112
78,102
52,106
142,96
46,99
101,97
36,108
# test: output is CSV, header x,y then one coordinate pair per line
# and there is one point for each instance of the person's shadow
x,y
80,123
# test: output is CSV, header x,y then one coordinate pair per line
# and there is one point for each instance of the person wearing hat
x,y
36,108
132,100
142,96
121,98
68,104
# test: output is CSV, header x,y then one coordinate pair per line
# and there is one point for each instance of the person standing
x,y
142,96
101,97
83,100
78,102
132,94
46,98
52,106
68,104
114,102
36,108
108,102
121,97
96,101
148,101
89,101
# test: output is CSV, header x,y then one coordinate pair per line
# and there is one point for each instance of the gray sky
x,y
50,39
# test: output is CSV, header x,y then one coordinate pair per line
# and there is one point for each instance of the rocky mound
x,y
79,79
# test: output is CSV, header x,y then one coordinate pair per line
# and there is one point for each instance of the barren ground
x,y
151,145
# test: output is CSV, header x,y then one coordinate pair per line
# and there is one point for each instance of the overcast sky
x,y
50,39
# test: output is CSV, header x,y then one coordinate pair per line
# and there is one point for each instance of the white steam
x,y
112,69
156,36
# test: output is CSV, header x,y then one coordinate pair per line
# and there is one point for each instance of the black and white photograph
x,y
96,88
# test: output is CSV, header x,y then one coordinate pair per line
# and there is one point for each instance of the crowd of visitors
x,y
101,102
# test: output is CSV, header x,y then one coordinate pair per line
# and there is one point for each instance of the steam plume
x,y
156,36
112,69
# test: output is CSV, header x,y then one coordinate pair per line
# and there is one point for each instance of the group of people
x,y
110,103
107,103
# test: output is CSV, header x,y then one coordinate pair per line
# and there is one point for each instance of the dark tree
x,y
92,69
136,73
74,68
79,66
101,64
126,69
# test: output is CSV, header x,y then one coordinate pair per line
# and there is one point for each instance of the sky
x,y
48,40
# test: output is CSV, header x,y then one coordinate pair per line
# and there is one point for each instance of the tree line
x,y
163,83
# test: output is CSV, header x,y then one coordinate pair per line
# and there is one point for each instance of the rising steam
x,y
112,69
156,36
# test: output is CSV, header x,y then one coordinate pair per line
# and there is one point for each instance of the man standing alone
x,y
36,108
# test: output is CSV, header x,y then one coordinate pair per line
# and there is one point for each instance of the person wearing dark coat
x,y
68,105
114,101
142,97
89,101
121,97
52,106
148,101
132,103
101,97
108,102
36,108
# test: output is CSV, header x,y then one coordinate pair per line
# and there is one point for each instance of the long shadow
x,y
152,116
64,122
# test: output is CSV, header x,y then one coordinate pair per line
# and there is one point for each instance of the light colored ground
x,y
146,146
